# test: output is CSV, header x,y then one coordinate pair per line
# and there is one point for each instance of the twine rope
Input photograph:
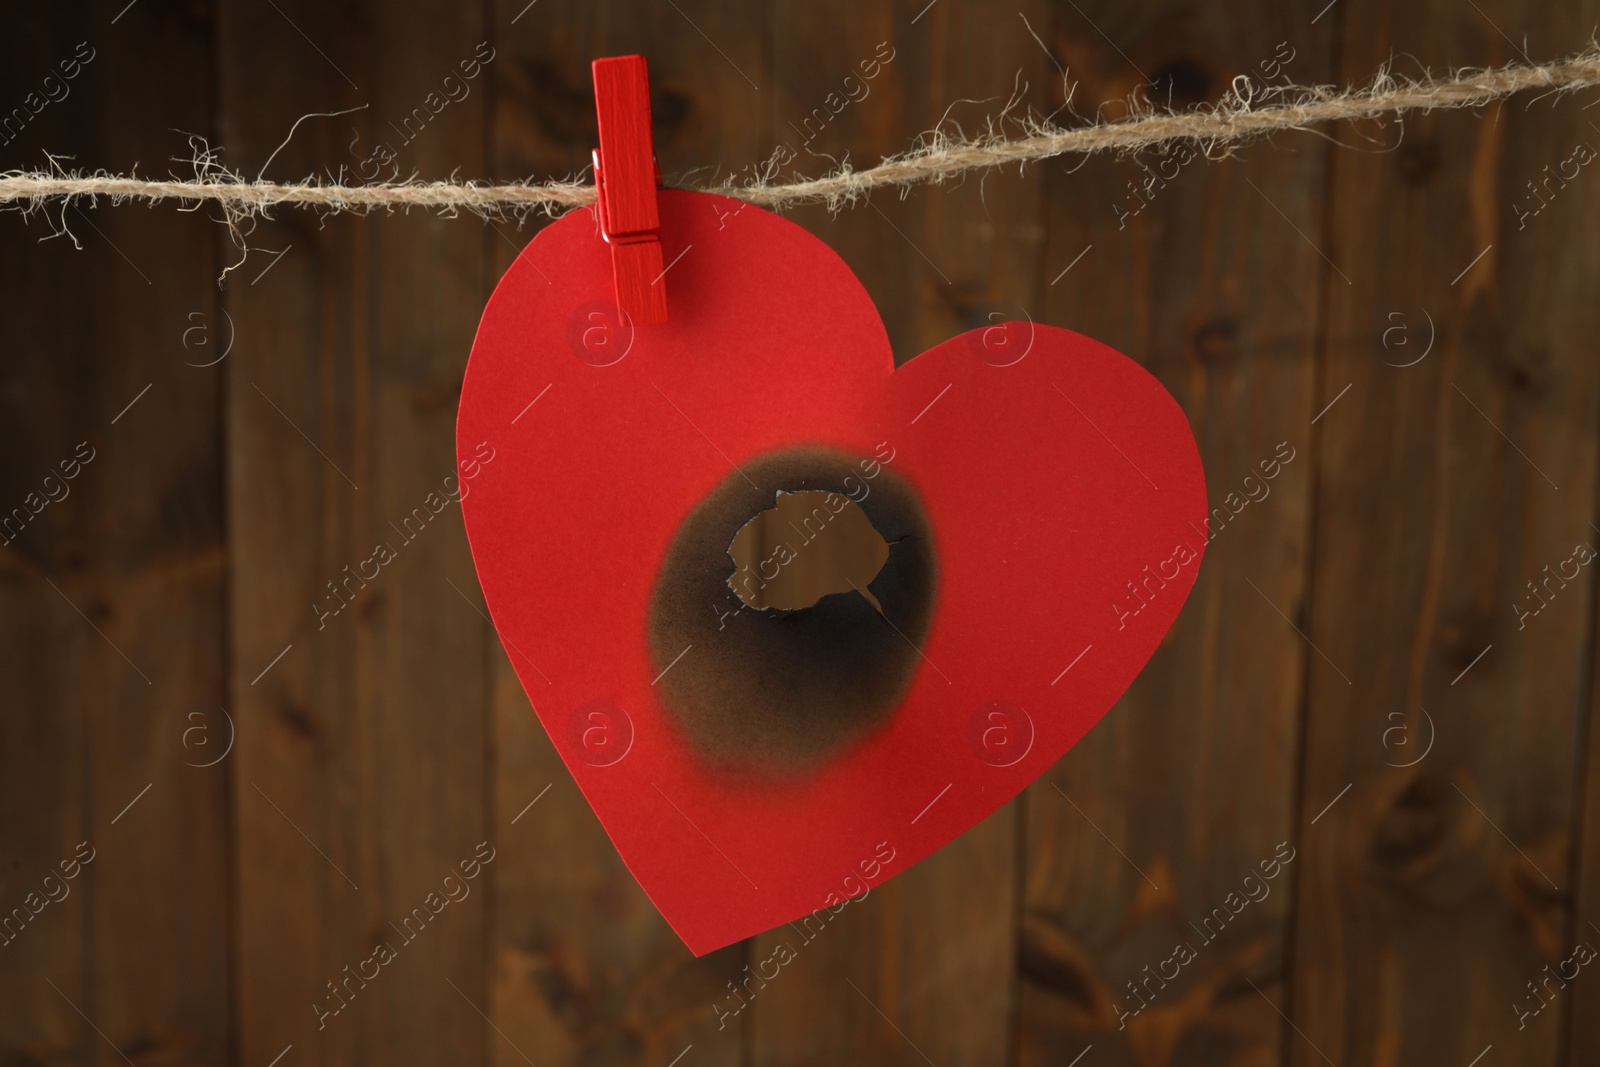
x,y
1247,112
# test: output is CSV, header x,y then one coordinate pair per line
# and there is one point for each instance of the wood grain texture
x,y
362,763
585,970
1201,271
1444,488
112,594
1582,260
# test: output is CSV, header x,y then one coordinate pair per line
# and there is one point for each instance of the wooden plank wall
x,y
113,595
1482,460
272,764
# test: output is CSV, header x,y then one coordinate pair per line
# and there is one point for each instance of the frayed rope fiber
x,y
937,157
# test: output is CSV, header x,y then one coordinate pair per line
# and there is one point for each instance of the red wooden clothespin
x,y
626,178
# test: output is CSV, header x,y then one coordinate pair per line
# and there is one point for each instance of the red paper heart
x,y
1061,482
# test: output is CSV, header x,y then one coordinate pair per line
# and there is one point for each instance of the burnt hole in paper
x,y
802,588
810,543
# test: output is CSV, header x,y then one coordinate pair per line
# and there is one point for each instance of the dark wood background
x,y
1378,578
